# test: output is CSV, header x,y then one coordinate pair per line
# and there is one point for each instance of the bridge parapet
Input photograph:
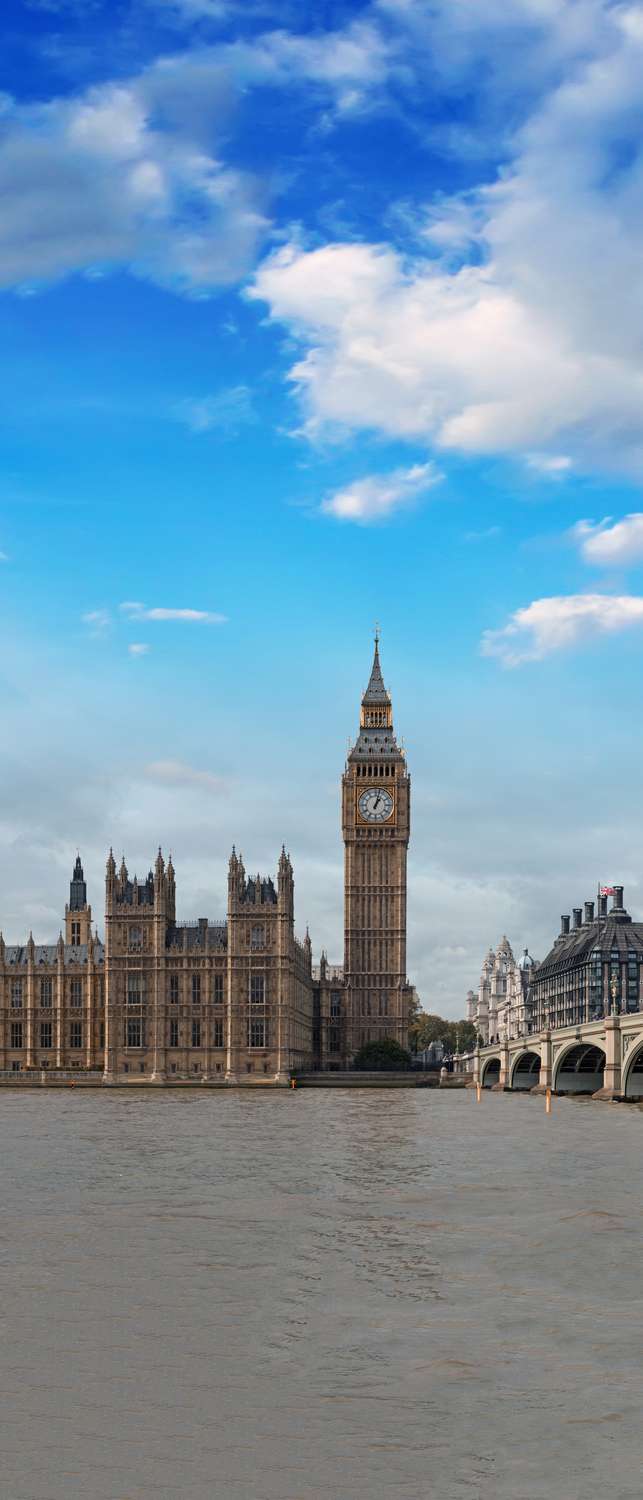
x,y
607,1052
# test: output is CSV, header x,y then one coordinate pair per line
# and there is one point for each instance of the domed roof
x,y
526,962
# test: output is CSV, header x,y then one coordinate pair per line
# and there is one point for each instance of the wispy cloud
x,y
176,773
608,541
138,648
98,621
226,411
378,496
548,625
551,466
133,610
4,557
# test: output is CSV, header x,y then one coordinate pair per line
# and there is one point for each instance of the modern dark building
x,y
594,968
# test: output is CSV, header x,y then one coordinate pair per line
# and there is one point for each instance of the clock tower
x,y
376,805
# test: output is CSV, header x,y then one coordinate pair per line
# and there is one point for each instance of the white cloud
x,y
378,496
138,648
530,346
125,175
136,611
176,773
98,620
553,466
225,411
549,625
4,557
619,543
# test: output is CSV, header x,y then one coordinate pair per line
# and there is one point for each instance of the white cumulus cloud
x,y
136,611
176,773
548,625
611,542
528,342
378,496
138,648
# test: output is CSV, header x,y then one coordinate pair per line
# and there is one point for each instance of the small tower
x,y
78,915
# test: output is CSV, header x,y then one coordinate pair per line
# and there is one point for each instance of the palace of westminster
x,y
159,1000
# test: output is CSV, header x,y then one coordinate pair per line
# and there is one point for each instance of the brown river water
x,y
320,1295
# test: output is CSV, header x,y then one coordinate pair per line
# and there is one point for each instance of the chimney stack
x,y
564,926
602,906
578,917
617,898
589,911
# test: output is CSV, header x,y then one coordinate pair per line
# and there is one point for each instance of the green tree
x,y
385,1056
454,1035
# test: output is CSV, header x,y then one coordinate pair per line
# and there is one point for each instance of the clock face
x,y
375,805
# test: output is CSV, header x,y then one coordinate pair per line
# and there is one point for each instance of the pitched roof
x,y
376,691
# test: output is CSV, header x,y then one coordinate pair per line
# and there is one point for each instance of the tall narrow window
x,y
258,936
174,1032
135,989
16,1033
76,1034
257,1034
16,995
45,1034
76,993
135,936
174,989
46,991
257,989
134,1032
335,1005
75,934
196,1033
218,1033
196,989
217,989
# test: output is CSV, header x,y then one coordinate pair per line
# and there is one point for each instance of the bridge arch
x,y
632,1076
579,1069
525,1073
490,1072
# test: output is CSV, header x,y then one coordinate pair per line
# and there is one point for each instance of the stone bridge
x,y
603,1058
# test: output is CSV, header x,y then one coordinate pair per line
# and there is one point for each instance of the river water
x,y
347,1294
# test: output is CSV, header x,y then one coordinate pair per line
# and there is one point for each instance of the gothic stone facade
x,y
235,1000
369,998
162,1000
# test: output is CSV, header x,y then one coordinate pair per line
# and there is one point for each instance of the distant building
x,y
593,969
501,1008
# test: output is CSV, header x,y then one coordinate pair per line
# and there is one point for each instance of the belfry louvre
x,y
234,1001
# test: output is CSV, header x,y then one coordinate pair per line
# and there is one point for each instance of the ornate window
x,y
76,993
76,1034
16,995
258,937
135,939
135,991
257,989
45,1034
257,1033
174,1033
75,934
46,990
134,1031
218,1033
196,1033
174,989
196,989
335,1005
217,989
16,1033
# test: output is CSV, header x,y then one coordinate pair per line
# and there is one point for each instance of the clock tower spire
x,y
376,793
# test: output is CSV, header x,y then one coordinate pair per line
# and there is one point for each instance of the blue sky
x,y
312,316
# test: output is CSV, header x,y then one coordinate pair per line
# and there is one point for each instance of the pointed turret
x,y
110,868
77,888
122,874
376,692
159,867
